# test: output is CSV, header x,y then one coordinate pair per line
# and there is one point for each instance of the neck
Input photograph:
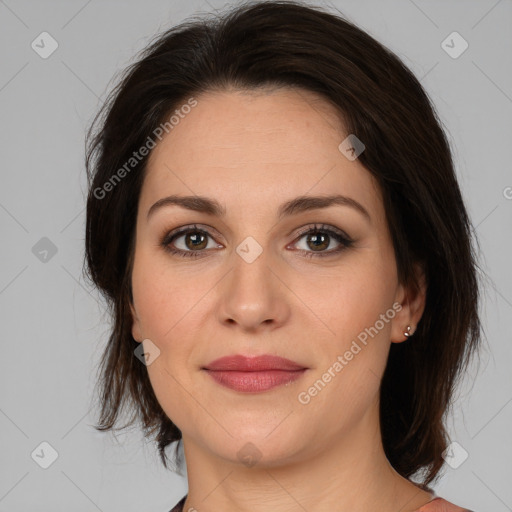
x,y
347,472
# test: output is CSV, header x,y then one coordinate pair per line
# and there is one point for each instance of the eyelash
x,y
339,236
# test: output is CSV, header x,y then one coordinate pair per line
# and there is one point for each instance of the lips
x,y
253,364
254,374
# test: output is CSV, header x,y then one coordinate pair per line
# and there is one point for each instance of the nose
x,y
254,296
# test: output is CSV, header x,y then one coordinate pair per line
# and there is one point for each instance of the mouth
x,y
254,374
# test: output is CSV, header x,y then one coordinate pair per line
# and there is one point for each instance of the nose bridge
x,y
252,295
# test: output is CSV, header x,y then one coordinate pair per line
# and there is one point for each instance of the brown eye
x,y
318,241
188,242
195,240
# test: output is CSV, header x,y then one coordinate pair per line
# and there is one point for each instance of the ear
x,y
412,300
136,327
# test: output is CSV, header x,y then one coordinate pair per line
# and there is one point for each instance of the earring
x,y
408,333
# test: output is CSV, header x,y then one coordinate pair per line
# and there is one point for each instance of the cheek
x,y
162,299
347,301
165,307
353,311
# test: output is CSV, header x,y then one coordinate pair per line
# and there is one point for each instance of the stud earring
x,y
408,333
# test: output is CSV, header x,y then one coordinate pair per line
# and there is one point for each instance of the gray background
x,y
54,327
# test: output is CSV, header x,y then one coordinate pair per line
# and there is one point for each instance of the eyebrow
x,y
294,206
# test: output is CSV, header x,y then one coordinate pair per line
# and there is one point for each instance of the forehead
x,y
273,144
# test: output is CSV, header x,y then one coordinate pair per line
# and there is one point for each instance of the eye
x,y
320,238
192,242
188,242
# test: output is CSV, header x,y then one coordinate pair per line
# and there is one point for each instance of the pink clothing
x,y
441,505
436,505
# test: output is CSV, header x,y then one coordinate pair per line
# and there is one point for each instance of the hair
x,y
289,44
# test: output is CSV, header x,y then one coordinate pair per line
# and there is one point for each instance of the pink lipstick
x,y
254,374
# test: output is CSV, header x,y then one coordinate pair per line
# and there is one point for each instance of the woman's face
x,y
257,284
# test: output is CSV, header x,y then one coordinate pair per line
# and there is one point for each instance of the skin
x,y
253,151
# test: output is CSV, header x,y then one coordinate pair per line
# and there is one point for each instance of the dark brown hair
x,y
290,44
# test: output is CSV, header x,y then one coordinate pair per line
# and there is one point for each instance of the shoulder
x,y
179,506
439,504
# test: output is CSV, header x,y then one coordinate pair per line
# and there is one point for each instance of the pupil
x,y
196,239
316,238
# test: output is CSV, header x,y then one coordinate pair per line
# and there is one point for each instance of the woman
x,y
274,218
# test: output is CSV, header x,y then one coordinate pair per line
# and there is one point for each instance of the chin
x,y
259,448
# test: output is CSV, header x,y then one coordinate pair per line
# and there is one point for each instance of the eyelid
x,y
301,231
204,228
344,241
341,237
321,227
